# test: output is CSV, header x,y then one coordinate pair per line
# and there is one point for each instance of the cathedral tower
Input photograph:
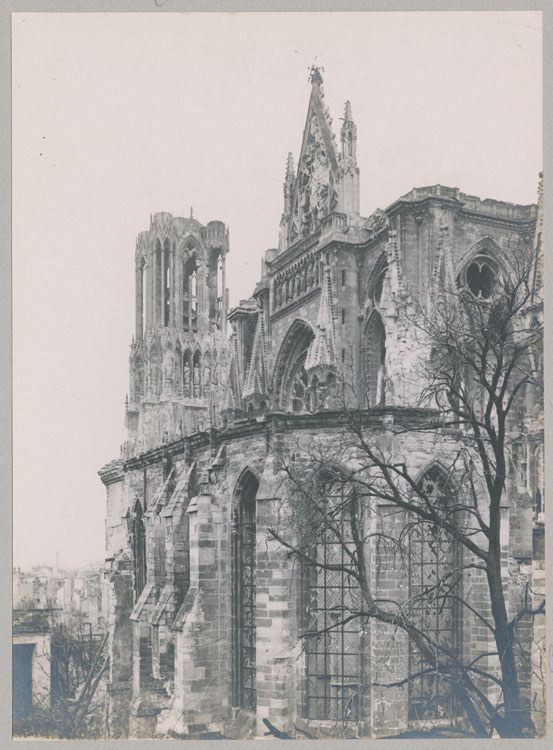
x,y
179,347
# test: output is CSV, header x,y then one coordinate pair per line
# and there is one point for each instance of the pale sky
x,y
119,115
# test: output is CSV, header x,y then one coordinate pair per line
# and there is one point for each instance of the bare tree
x,y
78,662
481,373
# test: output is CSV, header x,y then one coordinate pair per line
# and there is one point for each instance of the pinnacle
x,y
290,165
315,74
347,112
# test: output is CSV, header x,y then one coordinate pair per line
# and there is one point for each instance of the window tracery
x,y
243,594
333,642
434,559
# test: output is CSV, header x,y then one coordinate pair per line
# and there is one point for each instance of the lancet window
x,y
434,591
333,642
190,294
375,360
138,535
243,594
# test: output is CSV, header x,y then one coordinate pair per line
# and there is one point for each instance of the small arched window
x,y
480,276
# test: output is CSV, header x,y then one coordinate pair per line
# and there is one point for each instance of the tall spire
x,y
288,189
349,171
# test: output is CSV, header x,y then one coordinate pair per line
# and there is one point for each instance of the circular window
x,y
480,278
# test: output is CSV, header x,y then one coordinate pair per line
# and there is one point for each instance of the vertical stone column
x,y
120,603
174,286
161,286
203,299
389,646
224,310
275,623
149,291
155,284
139,301
201,695
538,655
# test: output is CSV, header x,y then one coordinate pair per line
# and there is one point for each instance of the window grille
x,y
434,561
333,647
243,596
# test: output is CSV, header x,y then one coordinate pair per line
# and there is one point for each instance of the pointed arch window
x,y
434,592
375,360
291,377
141,296
138,534
243,594
333,642
166,298
480,274
158,284
190,291
299,392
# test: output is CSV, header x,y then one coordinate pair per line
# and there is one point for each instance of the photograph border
x,y
162,6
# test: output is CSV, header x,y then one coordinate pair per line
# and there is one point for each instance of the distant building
x,y
31,651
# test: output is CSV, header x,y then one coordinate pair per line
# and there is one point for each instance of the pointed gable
x,y
315,194
322,350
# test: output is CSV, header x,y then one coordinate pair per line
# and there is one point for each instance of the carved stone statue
x,y
186,380
167,373
196,376
207,378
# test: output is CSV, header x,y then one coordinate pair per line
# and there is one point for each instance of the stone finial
x,y
290,166
347,112
315,74
191,212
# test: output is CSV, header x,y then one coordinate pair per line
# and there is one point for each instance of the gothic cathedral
x,y
211,587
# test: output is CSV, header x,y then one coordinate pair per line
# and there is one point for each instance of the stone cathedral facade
x,y
205,609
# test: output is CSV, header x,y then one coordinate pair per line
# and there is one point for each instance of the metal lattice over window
x,y
434,588
375,360
333,646
243,594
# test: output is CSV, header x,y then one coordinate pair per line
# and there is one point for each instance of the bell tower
x,y
179,349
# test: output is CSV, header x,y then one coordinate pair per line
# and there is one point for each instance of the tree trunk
x,y
511,724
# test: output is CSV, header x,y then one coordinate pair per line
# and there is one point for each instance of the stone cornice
x,y
112,471
425,202
378,417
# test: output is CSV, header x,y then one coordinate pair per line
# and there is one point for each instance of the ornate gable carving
x,y
315,192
